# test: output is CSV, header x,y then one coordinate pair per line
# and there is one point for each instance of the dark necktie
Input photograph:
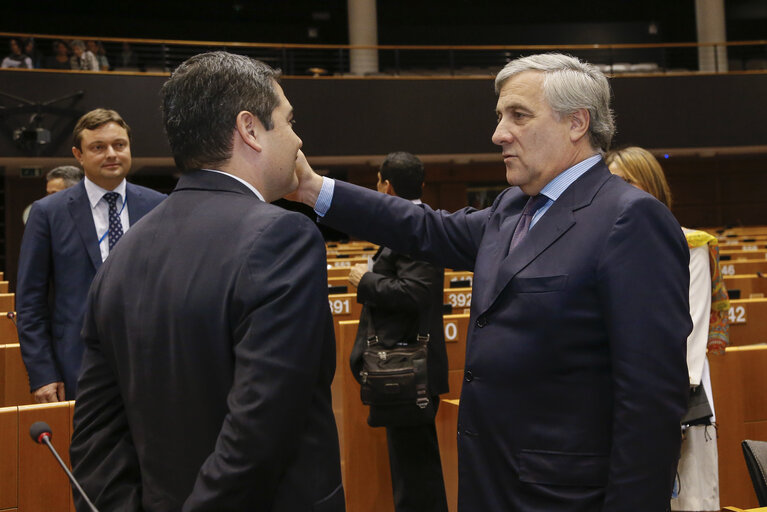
x,y
115,226
523,226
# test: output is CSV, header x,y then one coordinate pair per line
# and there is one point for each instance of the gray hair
x,y
569,85
77,43
69,173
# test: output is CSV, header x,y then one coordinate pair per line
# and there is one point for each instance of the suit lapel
x,y
82,216
555,222
559,218
137,204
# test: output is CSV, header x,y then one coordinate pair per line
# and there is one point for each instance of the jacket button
x,y
481,321
468,376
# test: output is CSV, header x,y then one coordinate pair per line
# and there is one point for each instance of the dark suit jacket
x,y
59,257
208,362
393,295
575,376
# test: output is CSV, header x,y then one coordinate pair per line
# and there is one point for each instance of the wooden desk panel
x,y
456,328
748,321
14,382
738,384
37,464
7,302
339,272
8,332
9,456
364,454
751,252
459,298
747,284
452,276
733,268
346,262
342,281
455,381
447,434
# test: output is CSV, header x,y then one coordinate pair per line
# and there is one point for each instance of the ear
x,y
389,188
248,128
579,124
77,154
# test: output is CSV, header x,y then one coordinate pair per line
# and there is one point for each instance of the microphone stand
x,y
45,437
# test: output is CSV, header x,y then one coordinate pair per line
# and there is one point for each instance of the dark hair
x,y
405,173
69,173
95,119
202,98
19,44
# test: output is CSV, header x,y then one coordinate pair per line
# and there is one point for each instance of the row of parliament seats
x,y
738,378
30,478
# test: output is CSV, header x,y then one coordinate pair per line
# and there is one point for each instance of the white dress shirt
x,y
100,211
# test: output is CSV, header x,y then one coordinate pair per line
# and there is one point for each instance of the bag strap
x,y
421,383
423,327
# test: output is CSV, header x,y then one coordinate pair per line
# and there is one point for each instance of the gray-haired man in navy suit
x,y
575,377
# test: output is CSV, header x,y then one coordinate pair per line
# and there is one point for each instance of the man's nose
x,y
501,135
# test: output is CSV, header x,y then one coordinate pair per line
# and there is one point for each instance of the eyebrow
x,y
100,141
513,106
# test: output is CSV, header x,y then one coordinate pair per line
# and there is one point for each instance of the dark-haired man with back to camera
x,y
575,379
209,339
394,294
67,236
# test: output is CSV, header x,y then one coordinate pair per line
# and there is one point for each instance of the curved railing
x,y
161,56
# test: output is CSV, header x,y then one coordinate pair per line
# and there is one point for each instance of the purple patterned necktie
x,y
523,226
115,226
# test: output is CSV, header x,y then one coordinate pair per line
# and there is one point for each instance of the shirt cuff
x,y
325,197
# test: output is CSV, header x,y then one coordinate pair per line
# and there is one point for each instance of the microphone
x,y
12,316
41,433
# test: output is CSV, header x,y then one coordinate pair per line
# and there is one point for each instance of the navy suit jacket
x,y
575,377
209,356
59,257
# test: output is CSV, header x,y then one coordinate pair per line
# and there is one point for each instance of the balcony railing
x,y
162,56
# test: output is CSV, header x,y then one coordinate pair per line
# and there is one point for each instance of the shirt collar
x,y
251,187
555,187
96,193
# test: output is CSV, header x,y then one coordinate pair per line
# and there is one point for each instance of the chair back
x,y
755,453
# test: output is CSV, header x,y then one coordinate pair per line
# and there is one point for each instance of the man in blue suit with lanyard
x,y
575,378
66,238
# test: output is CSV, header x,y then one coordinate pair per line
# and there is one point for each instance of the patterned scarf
x,y
718,326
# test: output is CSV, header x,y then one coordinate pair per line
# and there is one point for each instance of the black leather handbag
x,y
394,381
